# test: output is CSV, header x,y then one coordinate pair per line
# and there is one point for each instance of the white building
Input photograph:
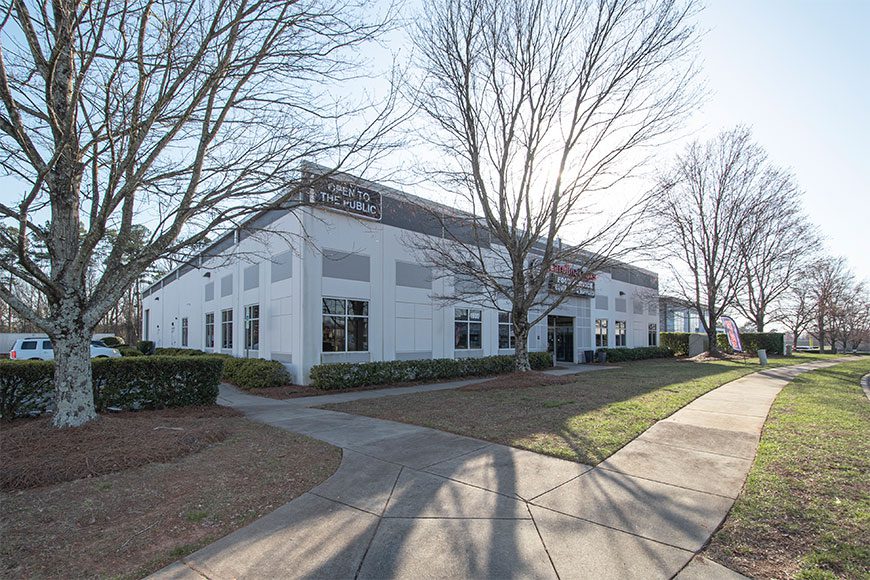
x,y
352,290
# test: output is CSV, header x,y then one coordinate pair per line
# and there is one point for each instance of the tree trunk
x,y
712,347
521,356
759,322
74,394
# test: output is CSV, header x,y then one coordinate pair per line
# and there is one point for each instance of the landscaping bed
x,y
805,509
133,492
585,419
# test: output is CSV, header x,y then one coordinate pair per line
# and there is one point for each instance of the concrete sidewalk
x,y
411,502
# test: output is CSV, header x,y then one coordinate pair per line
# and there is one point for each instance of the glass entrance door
x,y
560,338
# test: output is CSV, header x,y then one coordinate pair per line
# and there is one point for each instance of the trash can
x,y
602,356
788,350
762,356
588,356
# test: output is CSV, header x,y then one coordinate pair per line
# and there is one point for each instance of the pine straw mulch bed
x,y
133,492
35,453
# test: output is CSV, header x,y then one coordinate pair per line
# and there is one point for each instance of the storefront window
x,y
252,327
506,337
345,325
619,335
227,329
209,330
468,329
601,333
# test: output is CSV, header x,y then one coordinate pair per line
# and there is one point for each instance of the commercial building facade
x,y
678,315
341,282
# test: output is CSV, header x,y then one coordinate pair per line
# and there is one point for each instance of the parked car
x,y
40,348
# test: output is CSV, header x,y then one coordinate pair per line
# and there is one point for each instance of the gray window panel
x,y
601,302
227,285
413,276
346,266
209,292
620,274
252,277
620,304
638,307
282,266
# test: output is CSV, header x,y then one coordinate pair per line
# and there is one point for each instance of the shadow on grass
x,y
596,415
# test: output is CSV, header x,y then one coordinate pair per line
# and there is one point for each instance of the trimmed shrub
x,y
26,387
166,351
146,346
112,341
349,375
639,353
677,342
773,342
128,383
255,373
129,351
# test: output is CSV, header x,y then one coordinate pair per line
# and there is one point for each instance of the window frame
x,y
227,323
185,331
620,330
467,322
511,335
652,334
250,323
208,337
346,316
602,337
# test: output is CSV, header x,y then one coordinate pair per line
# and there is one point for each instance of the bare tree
x,y
797,309
539,106
776,242
705,215
830,284
850,317
180,115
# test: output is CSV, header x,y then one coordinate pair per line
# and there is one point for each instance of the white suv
x,y
40,348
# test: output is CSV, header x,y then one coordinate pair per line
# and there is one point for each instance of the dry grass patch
x,y
520,381
584,418
188,489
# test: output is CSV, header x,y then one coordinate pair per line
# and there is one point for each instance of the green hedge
x,y
255,373
26,388
146,346
129,383
639,353
165,351
129,351
677,342
773,342
348,375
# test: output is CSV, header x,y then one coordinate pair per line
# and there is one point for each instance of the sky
x,y
798,73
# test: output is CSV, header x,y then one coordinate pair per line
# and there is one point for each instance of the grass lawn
x,y
586,420
132,492
805,509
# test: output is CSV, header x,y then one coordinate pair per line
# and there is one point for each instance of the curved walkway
x,y
410,502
